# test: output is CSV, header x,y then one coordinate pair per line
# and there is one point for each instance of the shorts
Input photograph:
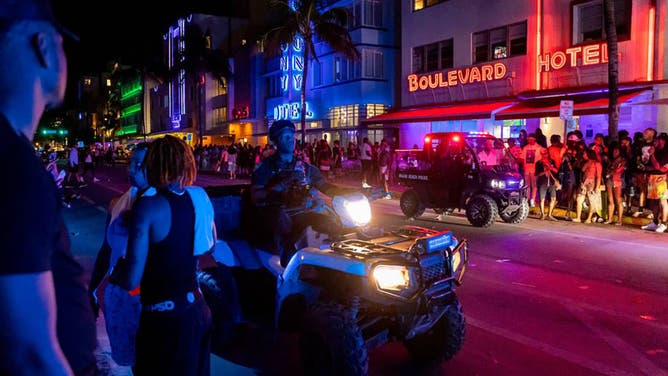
x,y
586,187
383,171
657,187
544,189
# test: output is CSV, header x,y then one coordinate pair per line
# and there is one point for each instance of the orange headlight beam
x,y
650,45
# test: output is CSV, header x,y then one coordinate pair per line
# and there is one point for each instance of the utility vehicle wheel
x,y
445,338
481,211
219,289
411,204
519,215
331,343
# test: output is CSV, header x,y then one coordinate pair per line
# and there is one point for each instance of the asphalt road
x,y
548,298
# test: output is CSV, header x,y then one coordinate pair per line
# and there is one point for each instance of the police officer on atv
x,y
284,193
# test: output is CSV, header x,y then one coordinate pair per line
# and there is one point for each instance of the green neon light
x,y
131,110
129,94
129,129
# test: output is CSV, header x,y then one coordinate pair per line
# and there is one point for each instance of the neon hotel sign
x,y
486,72
571,57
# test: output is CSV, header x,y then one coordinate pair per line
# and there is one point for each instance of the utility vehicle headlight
x,y
500,184
391,277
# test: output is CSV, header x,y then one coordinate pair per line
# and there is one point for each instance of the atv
x,y
344,296
470,171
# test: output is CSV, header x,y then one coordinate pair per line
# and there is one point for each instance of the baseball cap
x,y
278,126
35,10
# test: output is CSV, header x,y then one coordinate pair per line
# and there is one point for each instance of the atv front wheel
x,y
519,215
331,343
411,204
444,340
481,211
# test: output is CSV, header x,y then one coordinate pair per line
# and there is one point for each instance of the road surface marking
x,y
625,349
570,302
547,348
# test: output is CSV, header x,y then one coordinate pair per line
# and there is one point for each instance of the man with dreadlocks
x,y
174,331
284,191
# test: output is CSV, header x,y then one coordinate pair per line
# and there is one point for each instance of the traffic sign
x,y
566,110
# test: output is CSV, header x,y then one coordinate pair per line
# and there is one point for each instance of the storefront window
x,y
588,21
344,116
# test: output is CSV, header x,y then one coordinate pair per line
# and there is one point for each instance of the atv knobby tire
x,y
519,215
444,340
411,204
481,211
331,343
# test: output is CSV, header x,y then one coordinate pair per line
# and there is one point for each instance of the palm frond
x,y
338,38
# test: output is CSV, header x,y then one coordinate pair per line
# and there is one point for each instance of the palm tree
x,y
613,72
309,20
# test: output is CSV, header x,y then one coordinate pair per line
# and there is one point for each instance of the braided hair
x,y
169,160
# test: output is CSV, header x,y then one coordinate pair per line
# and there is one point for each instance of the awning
x,y
660,101
549,107
441,113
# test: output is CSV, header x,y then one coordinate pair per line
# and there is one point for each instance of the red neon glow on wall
x,y
650,45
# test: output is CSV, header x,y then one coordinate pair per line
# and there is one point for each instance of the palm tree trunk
x,y
613,76
307,53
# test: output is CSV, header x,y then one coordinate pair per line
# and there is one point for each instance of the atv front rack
x,y
363,249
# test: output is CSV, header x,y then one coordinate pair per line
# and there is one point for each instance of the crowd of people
x,y
373,162
609,179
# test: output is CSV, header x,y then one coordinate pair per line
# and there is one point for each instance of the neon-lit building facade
x,y
459,57
188,99
340,93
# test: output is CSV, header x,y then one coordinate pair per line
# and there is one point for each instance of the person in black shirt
x,y
39,279
174,333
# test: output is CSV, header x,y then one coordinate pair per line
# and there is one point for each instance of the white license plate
x,y
456,260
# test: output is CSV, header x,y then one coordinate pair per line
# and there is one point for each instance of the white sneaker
x,y
387,197
661,228
95,180
365,185
650,226
440,217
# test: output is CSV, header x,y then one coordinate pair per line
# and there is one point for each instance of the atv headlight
x,y
391,277
354,210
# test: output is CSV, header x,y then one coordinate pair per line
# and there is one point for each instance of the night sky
x,y
120,30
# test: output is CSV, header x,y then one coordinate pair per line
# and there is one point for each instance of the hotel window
x,y
421,4
366,13
344,116
373,63
340,69
220,88
500,43
375,110
345,69
434,56
273,85
219,115
317,73
588,21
